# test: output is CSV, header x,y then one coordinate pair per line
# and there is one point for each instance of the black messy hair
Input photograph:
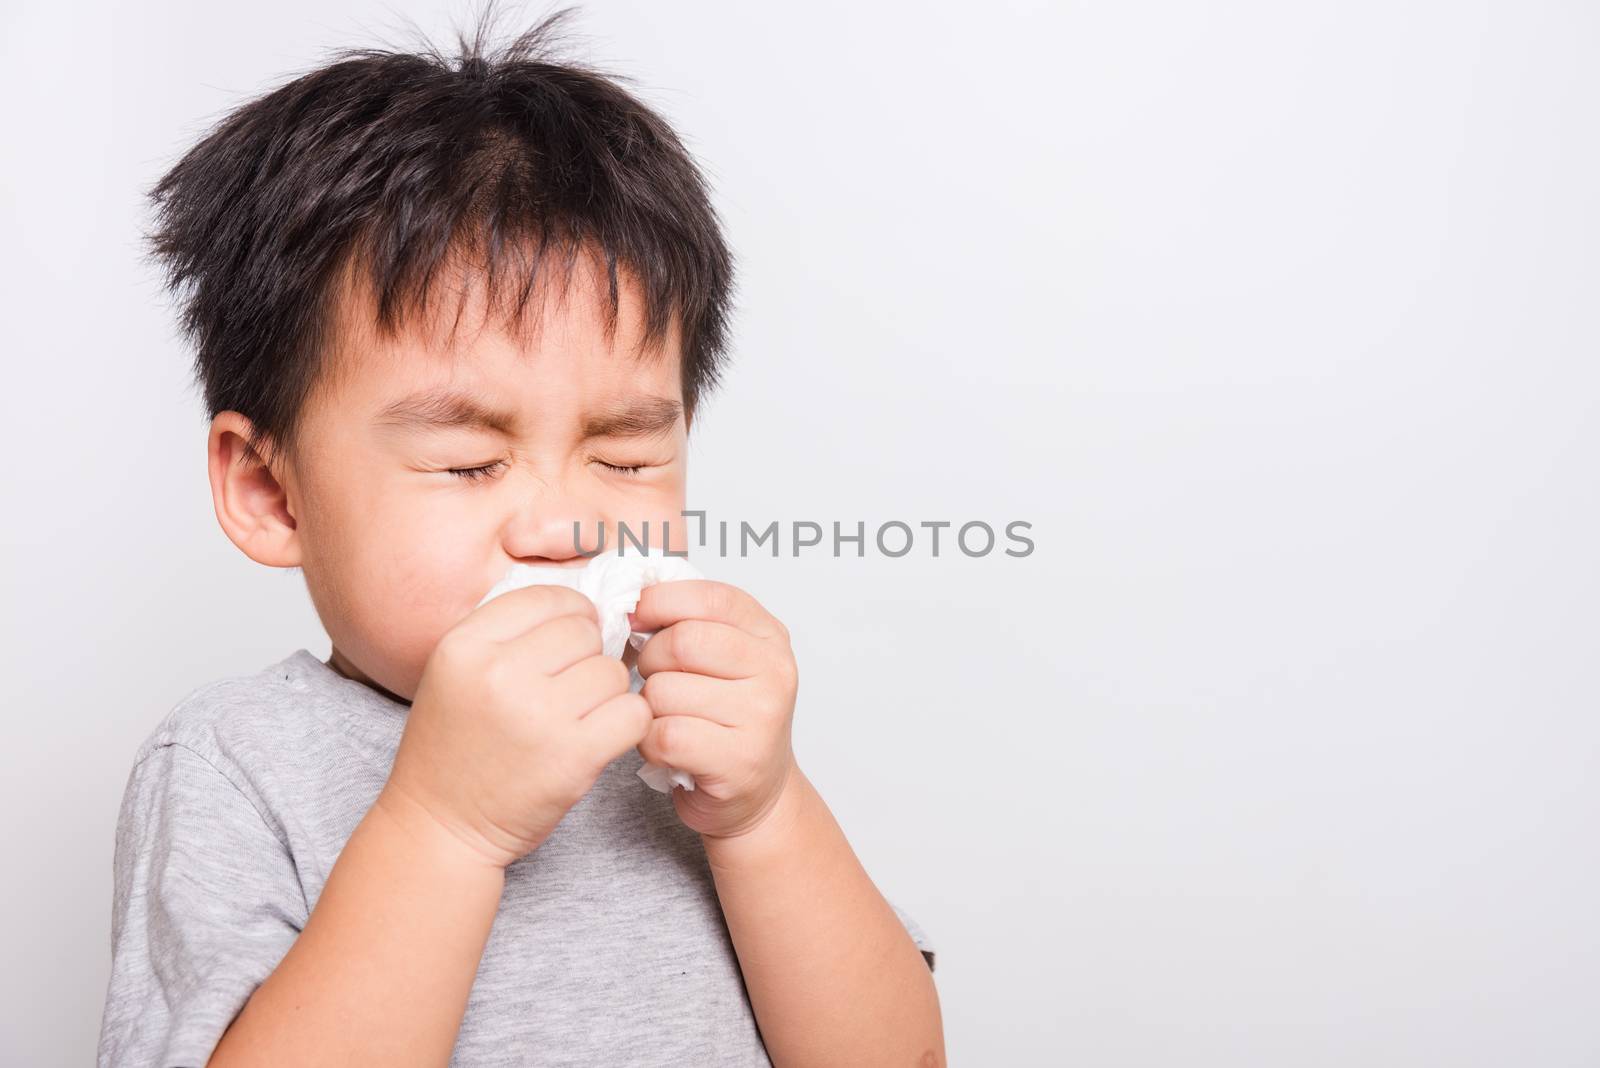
x,y
400,163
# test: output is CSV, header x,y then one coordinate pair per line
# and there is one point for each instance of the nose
x,y
555,529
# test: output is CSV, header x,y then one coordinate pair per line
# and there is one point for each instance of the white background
x,y
1277,321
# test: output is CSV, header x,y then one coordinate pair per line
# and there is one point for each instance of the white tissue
x,y
613,581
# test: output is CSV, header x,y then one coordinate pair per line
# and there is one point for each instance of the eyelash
x,y
477,474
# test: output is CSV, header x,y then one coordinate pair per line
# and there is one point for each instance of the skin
x,y
514,711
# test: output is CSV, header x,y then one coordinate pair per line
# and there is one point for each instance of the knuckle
x,y
618,675
557,600
775,704
788,672
669,735
496,677
578,626
657,688
688,638
769,706
570,600
718,639
454,649
651,690
639,716
577,632
720,599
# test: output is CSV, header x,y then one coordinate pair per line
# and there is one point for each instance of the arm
x,y
832,974
518,712
381,972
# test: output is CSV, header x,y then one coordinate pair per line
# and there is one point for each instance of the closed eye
x,y
622,470
475,474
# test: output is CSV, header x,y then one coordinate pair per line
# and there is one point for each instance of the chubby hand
x,y
518,712
720,680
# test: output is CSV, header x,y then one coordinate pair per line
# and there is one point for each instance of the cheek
x,y
657,502
400,600
425,571
406,574
655,514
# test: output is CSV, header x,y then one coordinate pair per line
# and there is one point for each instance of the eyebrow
x,y
639,416
445,408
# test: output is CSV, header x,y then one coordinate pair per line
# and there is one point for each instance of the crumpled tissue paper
x,y
613,581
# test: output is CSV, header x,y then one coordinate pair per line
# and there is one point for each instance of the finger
x,y
677,693
706,648
666,603
704,749
588,684
517,611
556,645
614,726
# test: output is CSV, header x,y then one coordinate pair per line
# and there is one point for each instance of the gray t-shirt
x,y
609,946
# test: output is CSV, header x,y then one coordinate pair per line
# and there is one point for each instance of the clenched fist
x,y
516,715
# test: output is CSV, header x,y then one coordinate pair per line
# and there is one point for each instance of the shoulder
x,y
194,777
244,726
294,737
223,714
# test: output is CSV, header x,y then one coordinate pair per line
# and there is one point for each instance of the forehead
x,y
556,338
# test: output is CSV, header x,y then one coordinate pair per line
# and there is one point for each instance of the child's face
x,y
396,548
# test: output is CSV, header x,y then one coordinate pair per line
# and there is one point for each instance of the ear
x,y
252,504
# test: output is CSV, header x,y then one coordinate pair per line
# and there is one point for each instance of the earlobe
x,y
251,503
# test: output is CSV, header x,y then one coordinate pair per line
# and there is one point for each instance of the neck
x,y
340,663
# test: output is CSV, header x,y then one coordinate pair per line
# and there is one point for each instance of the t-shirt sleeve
x,y
205,903
917,934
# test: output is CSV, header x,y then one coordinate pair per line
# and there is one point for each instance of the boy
x,y
433,847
